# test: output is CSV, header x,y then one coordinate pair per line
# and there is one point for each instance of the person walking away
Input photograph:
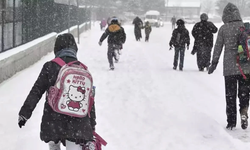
x,y
103,23
116,38
148,30
180,40
56,127
203,34
138,24
173,21
228,36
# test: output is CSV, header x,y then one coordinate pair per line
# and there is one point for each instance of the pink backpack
x,y
72,93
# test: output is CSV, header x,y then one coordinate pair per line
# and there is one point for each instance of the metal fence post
x,y
3,21
69,17
78,21
14,23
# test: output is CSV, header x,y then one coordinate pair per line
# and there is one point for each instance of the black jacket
x,y
180,37
115,34
56,127
203,33
148,29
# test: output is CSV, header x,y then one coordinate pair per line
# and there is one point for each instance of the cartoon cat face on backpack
x,y
75,95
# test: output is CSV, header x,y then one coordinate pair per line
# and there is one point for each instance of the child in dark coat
x,y
180,40
116,38
56,127
148,30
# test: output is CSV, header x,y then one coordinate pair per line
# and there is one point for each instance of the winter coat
x,y
54,126
173,20
180,37
115,33
148,29
137,27
203,33
103,23
228,36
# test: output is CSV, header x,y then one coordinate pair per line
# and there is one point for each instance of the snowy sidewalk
x,y
142,105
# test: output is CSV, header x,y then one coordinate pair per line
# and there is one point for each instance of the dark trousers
x,y
146,37
137,31
203,57
173,26
231,84
111,53
179,51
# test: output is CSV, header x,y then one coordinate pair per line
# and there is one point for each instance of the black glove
x,y
188,47
193,51
212,67
21,121
170,47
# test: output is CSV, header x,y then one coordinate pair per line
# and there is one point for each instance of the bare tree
x,y
243,6
207,6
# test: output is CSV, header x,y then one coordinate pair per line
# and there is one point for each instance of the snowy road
x,y
142,105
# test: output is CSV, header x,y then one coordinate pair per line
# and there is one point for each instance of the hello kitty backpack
x,y
72,93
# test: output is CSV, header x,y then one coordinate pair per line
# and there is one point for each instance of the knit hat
x,y
180,22
114,20
64,41
204,17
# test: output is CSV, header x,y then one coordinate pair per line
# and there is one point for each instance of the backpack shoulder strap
x,y
59,61
81,64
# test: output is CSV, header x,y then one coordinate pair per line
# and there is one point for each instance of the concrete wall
x,y
21,57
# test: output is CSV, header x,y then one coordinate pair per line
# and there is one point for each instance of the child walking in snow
x,y
116,38
180,40
59,128
148,30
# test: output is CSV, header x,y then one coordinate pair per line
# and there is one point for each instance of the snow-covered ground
x,y
143,105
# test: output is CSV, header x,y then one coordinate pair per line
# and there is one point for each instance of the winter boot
x,y
244,117
230,126
201,69
244,122
112,67
174,68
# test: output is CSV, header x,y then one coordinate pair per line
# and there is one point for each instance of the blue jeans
x,y
179,51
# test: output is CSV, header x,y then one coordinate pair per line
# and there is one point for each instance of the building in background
x,y
182,9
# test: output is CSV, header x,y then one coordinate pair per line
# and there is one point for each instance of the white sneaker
x,y
90,146
53,146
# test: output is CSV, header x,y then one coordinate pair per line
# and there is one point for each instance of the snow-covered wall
x,y
25,55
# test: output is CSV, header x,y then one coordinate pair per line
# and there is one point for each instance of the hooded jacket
x,y
203,33
228,38
180,37
115,34
55,126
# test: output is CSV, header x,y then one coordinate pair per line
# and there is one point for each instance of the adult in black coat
x,y
203,34
56,127
137,28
